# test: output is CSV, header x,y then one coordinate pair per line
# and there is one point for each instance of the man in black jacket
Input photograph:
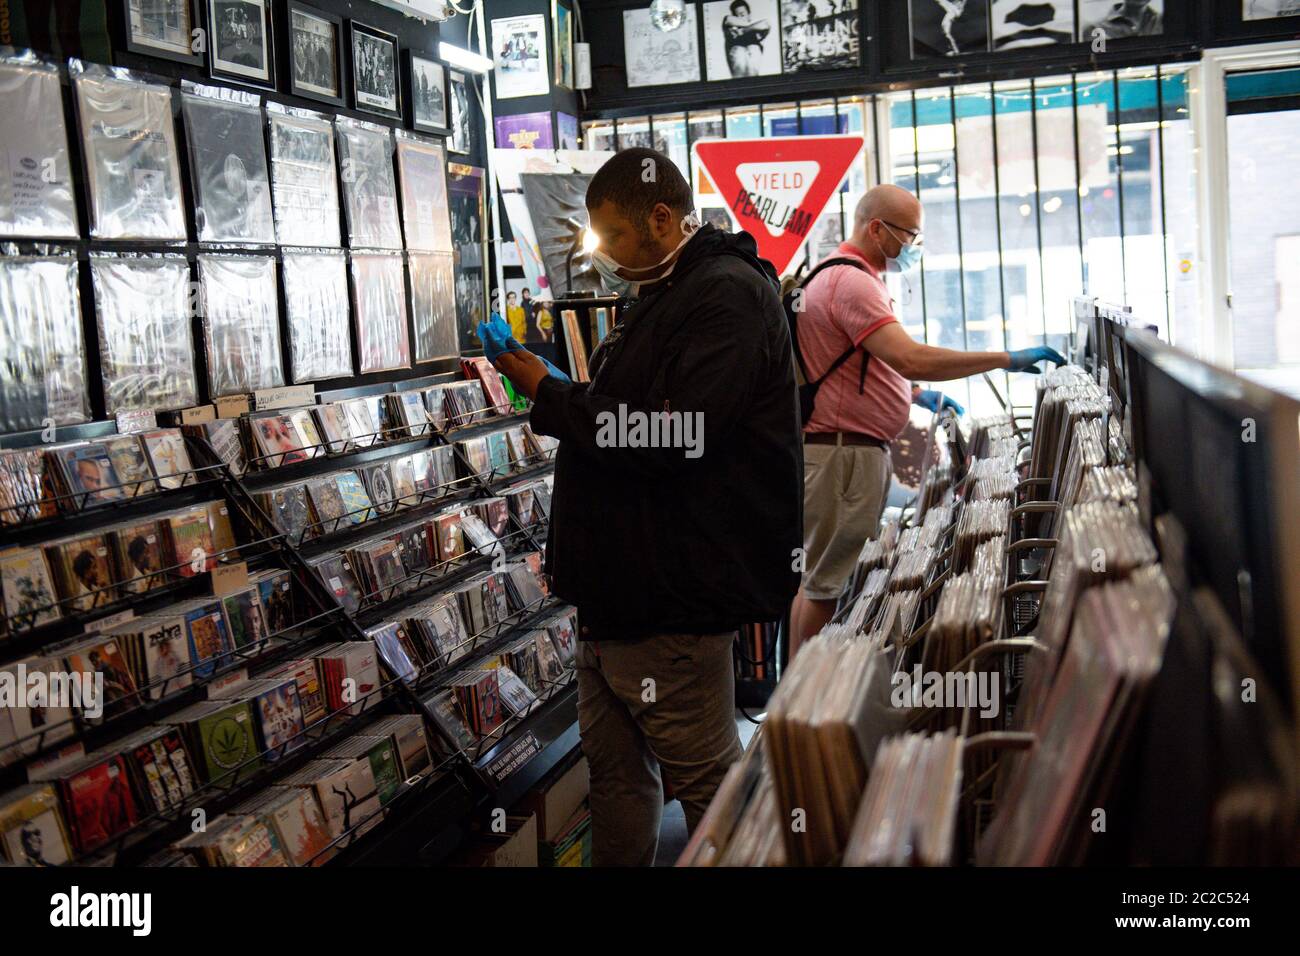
x,y
677,508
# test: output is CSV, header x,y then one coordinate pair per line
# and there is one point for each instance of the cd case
x,y
146,353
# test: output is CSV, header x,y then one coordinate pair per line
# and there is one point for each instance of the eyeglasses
x,y
915,236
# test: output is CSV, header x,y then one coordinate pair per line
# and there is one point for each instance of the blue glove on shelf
x,y
928,398
1025,359
498,339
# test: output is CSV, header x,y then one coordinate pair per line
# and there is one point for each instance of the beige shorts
x,y
844,491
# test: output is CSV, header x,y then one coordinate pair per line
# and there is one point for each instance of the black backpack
x,y
808,386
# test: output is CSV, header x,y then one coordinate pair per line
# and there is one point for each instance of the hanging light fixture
x,y
667,15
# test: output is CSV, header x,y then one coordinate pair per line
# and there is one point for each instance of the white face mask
x,y
609,269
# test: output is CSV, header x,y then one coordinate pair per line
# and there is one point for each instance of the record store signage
x,y
776,187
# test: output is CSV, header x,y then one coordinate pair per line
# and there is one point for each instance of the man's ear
x,y
661,220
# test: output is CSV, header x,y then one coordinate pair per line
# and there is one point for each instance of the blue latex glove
x,y
928,398
1023,360
497,338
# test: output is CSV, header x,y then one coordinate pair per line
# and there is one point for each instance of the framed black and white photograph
x,y
458,105
315,54
1018,24
428,93
376,80
741,38
1269,9
1106,19
942,28
819,35
241,42
164,28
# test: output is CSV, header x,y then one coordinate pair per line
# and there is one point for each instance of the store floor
x,y
672,830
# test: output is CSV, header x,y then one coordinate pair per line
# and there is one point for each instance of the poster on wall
x,y
524,131
949,27
819,35
458,97
1107,19
1269,9
656,58
562,17
741,38
566,131
519,52
1025,23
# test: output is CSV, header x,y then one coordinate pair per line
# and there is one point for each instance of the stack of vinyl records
x,y
985,431
824,722
1109,483
1087,452
979,521
1117,639
908,815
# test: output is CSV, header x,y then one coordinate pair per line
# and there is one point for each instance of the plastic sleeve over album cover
x,y
304,177
241,326
369,189
129,143
36,198
42,356
433,305
146,353
316,293
232,201
422,164
380,304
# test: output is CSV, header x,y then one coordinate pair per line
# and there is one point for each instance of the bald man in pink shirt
x,y
863,404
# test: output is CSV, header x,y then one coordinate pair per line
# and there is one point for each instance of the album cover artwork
x,y
129,143
304,177
278,440
403,473
86,571
228,159
451,539
943,28
655,57
422,164
140,555
28,588
90,476
97,797
103,657
245,619
168,456
36,198
337,575
1018,24
288,511
328,509
279,719
304,426
361,422
742,38
209,640
356,499
131,464
444,711
165,641
331,422
191,536
276,593
379,483
31,827
433,306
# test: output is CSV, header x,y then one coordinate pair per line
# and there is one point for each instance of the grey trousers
x,y
667,701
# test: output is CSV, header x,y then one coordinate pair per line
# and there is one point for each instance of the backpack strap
x,y
848,353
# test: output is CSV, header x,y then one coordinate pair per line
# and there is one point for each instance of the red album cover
x,y
99,803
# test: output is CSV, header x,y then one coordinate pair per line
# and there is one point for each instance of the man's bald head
x,y
888,202
887,217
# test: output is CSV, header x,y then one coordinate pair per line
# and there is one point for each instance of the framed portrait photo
x,y
427,90
164,28
460,140
376,79
315,54
240,42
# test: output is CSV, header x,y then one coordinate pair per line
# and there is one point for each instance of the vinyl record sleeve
x,y
369,189
316,296
433,305
304,177
36,199
142,304
42,356
129,143
379,296
422,164
223,131
241,323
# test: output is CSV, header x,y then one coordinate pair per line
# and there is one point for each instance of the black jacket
x,y
646,540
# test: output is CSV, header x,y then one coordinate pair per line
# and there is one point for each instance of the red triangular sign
x,y
776,187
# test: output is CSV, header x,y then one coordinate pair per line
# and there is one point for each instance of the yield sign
x,y
776,187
